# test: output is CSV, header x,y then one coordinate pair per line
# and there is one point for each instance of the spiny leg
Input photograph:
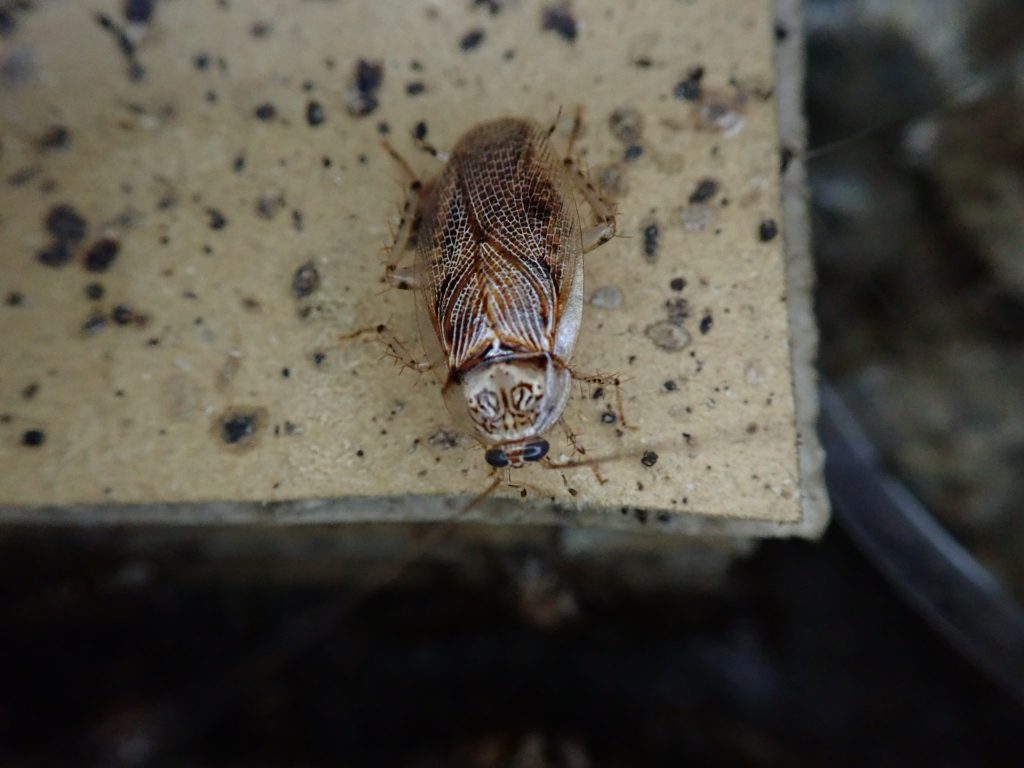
x,y
403,278
393,346
573,439
604,211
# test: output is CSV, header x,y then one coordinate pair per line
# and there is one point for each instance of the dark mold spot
x,y
239,427
559,19
201,61
238,164
94,324
626,124
419,131
14,299
362,98
265,111
690,89
444,438
670,386
297,220
124,44
781,33
678,309
261,28
305,280
415,88
677,283
706,323
101,255
30,391
94,291
56,137
125,315
318,358
641,514
651,238
33,438
643,62
471,39
383,128
632,153
269,205
314,113
649,459
216,218
56,254
704,191
65,223
767,230
139,11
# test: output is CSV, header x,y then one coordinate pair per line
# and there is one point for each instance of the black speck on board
x,y
767,230
649,459
632,153
704,191
56,254
314,113
265,111
239,427
216,219
559,19
139,11
690,89
56,137
305,280
33,438
367,79
472,39
65,223
651,238
101,255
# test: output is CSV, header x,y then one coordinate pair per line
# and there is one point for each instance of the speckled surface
x,y
175,333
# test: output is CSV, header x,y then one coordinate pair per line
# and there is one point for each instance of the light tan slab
x,y
134,414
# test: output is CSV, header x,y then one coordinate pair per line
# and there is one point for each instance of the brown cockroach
x,y
498,274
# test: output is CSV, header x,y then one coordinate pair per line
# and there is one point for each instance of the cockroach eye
x,y
536,451
496,458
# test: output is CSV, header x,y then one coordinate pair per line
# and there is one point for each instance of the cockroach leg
x,y
572,438
607,380
393,346
402,278
574,134
424,146
397,351
603,229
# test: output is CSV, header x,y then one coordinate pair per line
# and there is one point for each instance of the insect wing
x,y
500,250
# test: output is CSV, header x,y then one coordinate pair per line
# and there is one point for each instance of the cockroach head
x,y
511,403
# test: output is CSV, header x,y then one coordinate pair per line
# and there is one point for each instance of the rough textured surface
x,y
183,250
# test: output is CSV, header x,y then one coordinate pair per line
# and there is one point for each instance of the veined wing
x,y
501,250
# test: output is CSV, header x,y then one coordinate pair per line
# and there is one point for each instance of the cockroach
x,y
498,274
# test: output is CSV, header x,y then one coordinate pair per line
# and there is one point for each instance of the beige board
x,y
199,336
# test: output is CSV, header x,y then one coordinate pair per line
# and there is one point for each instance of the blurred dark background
x,y
146,648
